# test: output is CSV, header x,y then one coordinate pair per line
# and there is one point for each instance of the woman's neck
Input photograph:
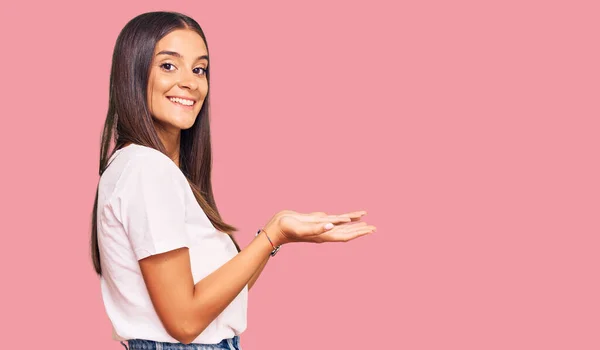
x,y
172,147
171,140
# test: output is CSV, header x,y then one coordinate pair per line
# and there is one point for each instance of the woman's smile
x,y
186,104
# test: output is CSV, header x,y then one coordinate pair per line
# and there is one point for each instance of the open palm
x,y
298,227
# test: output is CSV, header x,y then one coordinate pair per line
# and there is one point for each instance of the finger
x,y
352,214
323,227
355,215
346,229
316,229
349,228
350,225
334,219
345,236
328,226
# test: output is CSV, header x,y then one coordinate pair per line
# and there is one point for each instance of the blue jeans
x,y
143,344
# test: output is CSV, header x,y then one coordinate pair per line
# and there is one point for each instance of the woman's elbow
x,y
183,332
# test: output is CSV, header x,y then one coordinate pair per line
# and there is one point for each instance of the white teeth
x,y
181,101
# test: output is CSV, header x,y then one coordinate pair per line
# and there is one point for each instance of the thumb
x,y
321,228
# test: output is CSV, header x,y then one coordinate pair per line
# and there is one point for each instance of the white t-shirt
x,y
146,207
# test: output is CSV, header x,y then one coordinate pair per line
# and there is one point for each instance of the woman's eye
x,y
200,70
166,64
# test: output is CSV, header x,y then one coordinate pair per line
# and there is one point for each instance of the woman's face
x,y
177,84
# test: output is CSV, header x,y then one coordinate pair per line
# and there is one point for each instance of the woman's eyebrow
x,y
176,54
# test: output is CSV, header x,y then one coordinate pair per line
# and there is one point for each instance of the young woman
x,y
172,276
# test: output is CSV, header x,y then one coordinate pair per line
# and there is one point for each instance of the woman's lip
x,y
180,105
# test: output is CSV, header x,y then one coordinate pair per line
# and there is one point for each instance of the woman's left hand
x,y
307,221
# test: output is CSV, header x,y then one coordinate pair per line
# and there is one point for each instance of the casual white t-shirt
x,y
146,207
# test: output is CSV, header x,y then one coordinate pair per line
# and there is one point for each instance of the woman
x,y
171,273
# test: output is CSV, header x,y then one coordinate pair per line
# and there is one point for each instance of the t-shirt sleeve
x,y
152,206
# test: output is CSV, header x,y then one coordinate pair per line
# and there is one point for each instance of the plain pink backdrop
x,y
467,129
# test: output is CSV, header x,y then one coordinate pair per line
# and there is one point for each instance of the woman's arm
x,y
186,309
257,273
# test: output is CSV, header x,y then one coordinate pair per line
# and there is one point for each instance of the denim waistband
x,y
144,344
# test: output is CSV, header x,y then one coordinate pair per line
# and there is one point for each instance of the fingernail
x,y
329,226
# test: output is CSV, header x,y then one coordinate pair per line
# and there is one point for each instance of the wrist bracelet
x,y
275,249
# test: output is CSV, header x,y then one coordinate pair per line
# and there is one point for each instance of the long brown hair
x,y
129,120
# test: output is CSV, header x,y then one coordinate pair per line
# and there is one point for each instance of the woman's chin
x,y
188,125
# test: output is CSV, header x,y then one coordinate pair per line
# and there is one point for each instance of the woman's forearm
x,y
213,293
258,272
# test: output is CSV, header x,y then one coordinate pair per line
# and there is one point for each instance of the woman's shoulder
x,y
141,165
137,158
144,154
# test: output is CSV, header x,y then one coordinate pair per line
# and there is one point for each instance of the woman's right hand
x,y
289,226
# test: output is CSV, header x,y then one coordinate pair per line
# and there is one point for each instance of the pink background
x,y
467,129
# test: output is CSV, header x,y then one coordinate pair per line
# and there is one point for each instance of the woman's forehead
x,y
187,43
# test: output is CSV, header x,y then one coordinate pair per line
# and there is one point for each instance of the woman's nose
x,y
187,80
